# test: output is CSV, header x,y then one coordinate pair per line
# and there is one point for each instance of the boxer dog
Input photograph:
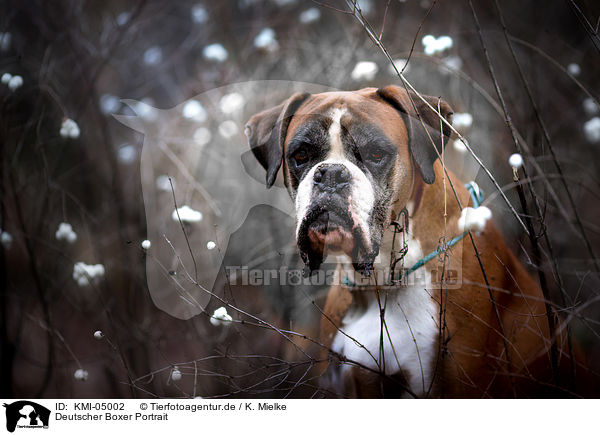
x,y
352,162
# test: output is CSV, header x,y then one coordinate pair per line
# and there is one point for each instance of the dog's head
x,y
348,158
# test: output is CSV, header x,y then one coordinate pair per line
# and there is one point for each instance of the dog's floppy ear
x,y
266,133
424,125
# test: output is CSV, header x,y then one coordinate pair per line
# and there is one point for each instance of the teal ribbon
x,y
476,198
347,282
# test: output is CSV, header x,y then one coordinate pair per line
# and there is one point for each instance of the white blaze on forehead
x,y
335,132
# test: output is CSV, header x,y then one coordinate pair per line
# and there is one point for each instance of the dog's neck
x,y
428,222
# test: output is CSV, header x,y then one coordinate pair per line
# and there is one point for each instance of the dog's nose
x,y
332,177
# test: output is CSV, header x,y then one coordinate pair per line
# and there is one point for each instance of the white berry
x,y
80,375
69,129
65,233
515,160
220,317
15,83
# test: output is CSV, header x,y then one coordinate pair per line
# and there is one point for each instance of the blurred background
x,y
102,102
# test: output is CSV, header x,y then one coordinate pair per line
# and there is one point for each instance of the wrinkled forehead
x,y
358,113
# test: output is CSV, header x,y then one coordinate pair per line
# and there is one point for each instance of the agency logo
x,y
26,415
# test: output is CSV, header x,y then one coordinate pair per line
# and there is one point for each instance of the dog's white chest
x,y
405,342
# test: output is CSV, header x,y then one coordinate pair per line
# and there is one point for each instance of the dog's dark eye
x,y
300,156
375,156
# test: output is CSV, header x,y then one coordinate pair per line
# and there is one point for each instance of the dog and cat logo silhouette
x,y
26,414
